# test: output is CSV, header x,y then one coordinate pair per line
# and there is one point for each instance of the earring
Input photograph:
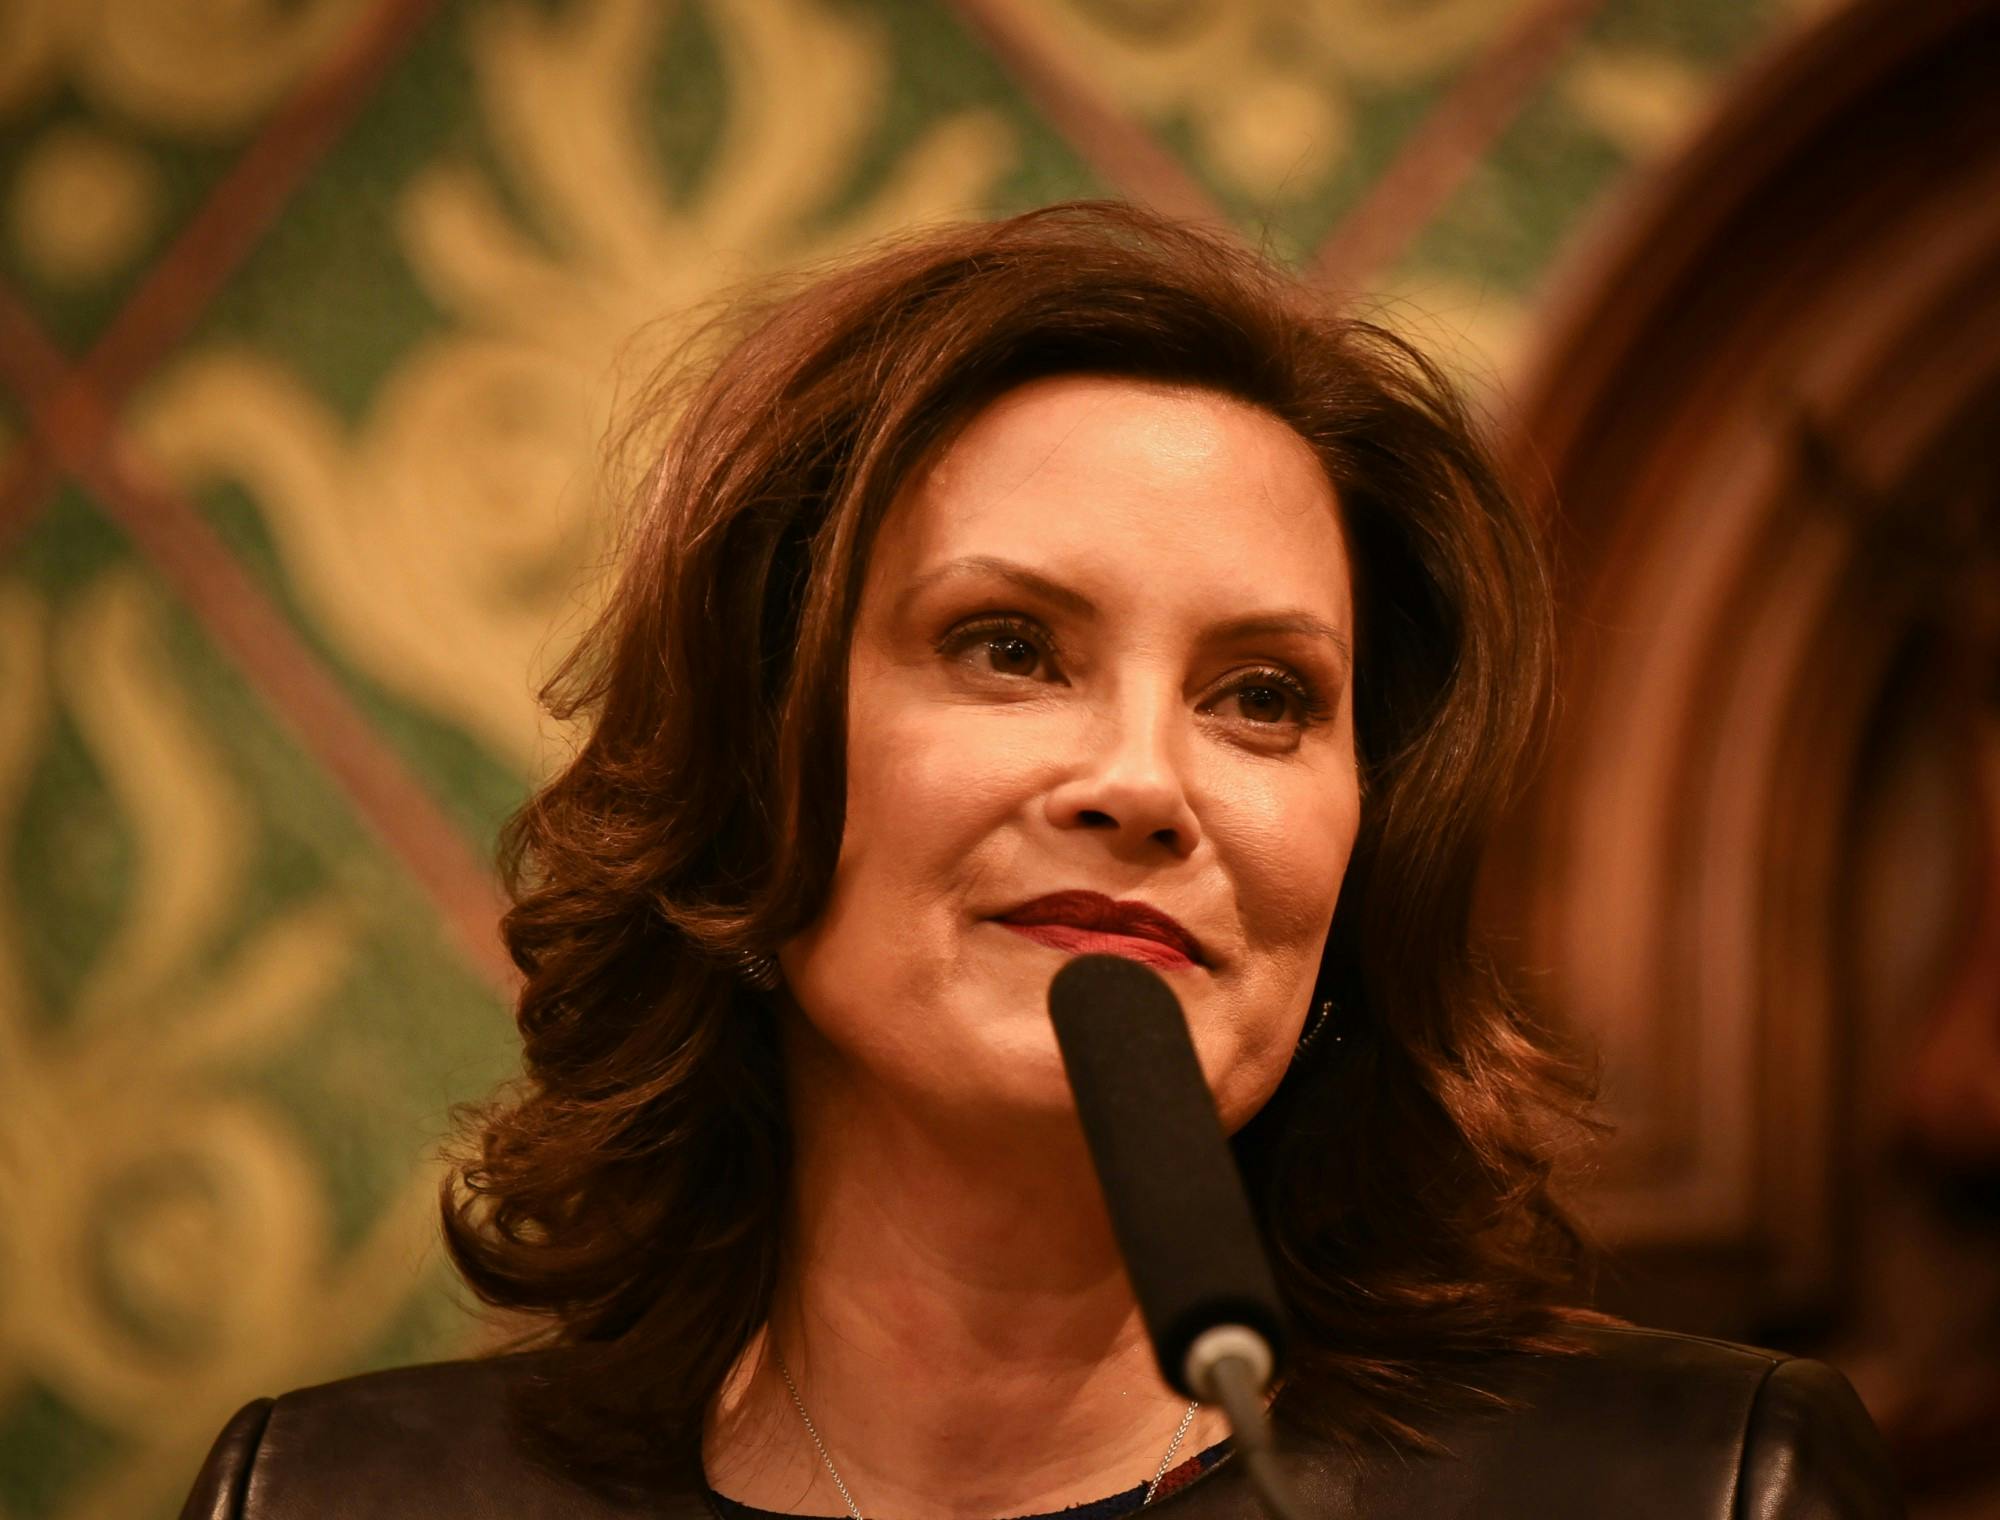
x,y
1320,1018
760,971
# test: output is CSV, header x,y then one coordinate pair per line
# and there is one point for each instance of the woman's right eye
x,y
999,646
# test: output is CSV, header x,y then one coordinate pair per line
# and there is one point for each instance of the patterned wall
x,y
312,315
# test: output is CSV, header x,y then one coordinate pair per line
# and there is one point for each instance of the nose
x,y
1129,783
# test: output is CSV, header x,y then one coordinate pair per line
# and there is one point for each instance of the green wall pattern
x,y
232,1019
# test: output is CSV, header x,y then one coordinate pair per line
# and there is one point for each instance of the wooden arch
x,y
1769,411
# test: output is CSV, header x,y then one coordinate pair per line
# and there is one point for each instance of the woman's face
x,y
1103,650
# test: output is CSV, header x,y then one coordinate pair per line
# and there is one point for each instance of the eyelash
x,y
990,630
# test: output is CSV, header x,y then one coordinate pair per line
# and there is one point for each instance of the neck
x,y
956,1319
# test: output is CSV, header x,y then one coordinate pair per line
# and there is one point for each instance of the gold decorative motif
x,y
1266,86
83,203
1647,104
163,1235
196,68
443,543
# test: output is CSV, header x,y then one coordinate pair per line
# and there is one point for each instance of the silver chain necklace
x,y
854,1510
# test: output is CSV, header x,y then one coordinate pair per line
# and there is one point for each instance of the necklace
x,y
854,1510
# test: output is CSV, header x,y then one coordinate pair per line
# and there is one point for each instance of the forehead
x,y
1090,477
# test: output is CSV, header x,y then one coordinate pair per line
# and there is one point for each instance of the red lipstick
x,y
1087,923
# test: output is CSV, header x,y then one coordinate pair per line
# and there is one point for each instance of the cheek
x,y
889,973
925,788
1286,842
933,792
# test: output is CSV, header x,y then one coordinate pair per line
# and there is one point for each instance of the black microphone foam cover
x,y
1170,1183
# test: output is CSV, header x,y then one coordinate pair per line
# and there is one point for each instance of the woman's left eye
x,y
1273,697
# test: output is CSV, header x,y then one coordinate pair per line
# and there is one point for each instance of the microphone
x,y
1174,1195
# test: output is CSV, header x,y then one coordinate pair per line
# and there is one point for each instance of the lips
x,y
1082,922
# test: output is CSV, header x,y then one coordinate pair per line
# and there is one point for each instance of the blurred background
x,y
314,313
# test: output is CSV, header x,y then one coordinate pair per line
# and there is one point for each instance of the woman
x,y
1075,582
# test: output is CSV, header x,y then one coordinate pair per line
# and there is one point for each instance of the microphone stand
x,y
1231,1365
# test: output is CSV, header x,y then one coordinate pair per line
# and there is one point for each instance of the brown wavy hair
x,y
628,1192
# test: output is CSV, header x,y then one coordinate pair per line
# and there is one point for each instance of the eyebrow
x,y
1074,602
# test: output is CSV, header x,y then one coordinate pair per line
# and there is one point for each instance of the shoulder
x,y
1642,1423
1765,1425
432,1441
1652,1422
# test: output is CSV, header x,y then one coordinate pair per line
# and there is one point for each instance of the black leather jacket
x,y
1654,1426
